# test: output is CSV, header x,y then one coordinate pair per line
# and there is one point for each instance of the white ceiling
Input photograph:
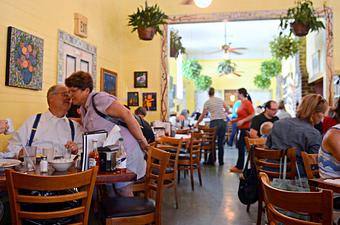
x,y
204,40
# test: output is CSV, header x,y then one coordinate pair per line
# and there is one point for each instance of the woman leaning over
x,y
299,132
244,115
80,85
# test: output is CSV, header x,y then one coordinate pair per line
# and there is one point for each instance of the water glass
x,y
49,153
28,163
31,152
67,154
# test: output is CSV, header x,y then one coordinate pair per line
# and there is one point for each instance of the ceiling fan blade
x,y
236,73
187,2
235,52
240,48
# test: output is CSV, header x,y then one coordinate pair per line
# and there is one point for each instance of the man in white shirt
x,y
52,129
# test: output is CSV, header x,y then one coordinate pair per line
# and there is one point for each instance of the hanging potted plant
x,y
147,21
226,67
175,44
284,46
301,19
269,69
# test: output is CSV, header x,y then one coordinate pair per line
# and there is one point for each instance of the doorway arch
x,y
326,13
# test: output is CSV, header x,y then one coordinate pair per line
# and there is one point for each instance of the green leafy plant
x,y
149,16
284,46
203,82
175,44
226,67
191,69
303,13
269,69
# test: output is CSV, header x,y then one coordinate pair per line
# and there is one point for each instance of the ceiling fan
x,y
226,47
198,3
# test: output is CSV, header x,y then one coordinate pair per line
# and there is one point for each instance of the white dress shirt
x,y
52,132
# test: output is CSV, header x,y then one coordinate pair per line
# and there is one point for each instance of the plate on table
x,y
9,162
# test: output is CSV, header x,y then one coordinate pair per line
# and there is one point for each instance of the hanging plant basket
x,y
173,52
299,29
146,33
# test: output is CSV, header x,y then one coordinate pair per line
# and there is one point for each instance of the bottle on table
x,y
94,155
43,164
121,155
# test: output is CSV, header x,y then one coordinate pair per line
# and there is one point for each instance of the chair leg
x,y
199,173
248,207
178,175
192,177
259,208
176,197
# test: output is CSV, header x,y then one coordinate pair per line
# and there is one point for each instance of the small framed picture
x,y
150,101
108,81
133,99
141,79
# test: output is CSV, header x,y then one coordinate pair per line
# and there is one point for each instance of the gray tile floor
x,y
216,202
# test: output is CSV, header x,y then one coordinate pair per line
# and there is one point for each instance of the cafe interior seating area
x,y
170,112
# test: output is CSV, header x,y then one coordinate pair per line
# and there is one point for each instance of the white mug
x,y
10,128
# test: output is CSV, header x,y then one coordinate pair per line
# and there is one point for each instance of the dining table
x,y
326,183
103,177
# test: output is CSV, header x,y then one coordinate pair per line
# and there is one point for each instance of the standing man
x,y
217,108
270,109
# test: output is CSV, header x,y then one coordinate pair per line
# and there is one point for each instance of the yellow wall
x,y
43,19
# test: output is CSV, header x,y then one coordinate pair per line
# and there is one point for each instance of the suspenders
x,y
35,126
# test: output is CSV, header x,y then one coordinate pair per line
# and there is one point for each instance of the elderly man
x,y
50,129
270,109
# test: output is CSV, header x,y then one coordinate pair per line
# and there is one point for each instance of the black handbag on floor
x,y
248,187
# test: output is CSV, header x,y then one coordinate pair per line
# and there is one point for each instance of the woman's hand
x,y
3,126
143,145
240,122
70,145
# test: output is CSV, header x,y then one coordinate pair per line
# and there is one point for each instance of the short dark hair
x,y
282,105
81,80
211,91
268,104
140,111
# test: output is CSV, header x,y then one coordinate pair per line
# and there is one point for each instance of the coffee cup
x,y
10,128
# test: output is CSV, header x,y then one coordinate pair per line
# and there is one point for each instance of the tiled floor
x,y
216,202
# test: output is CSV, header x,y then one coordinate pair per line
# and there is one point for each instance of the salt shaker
x,y
44,165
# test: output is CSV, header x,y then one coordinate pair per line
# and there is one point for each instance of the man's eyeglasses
x,y
64,94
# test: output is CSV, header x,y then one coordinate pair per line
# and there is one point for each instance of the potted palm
x,y
147,21
175,44
301,19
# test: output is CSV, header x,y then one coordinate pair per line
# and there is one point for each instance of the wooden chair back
x,y
154,178
19,183
260,142
318,205
267,160
173,146
208,138
183,131
195,146
311,164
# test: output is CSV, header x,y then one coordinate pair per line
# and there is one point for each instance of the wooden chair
x,y
135,210
260,142
318,205
263,162
183,131
208,143
311,164
18,184
191,160
173,146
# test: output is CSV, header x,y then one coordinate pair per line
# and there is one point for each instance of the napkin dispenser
x,y
107,157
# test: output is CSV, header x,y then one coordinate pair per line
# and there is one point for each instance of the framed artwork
x,y
150,101
108,81
141,79
316,63
24,63
133,99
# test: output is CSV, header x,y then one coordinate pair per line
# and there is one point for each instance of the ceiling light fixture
x,y
202,3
